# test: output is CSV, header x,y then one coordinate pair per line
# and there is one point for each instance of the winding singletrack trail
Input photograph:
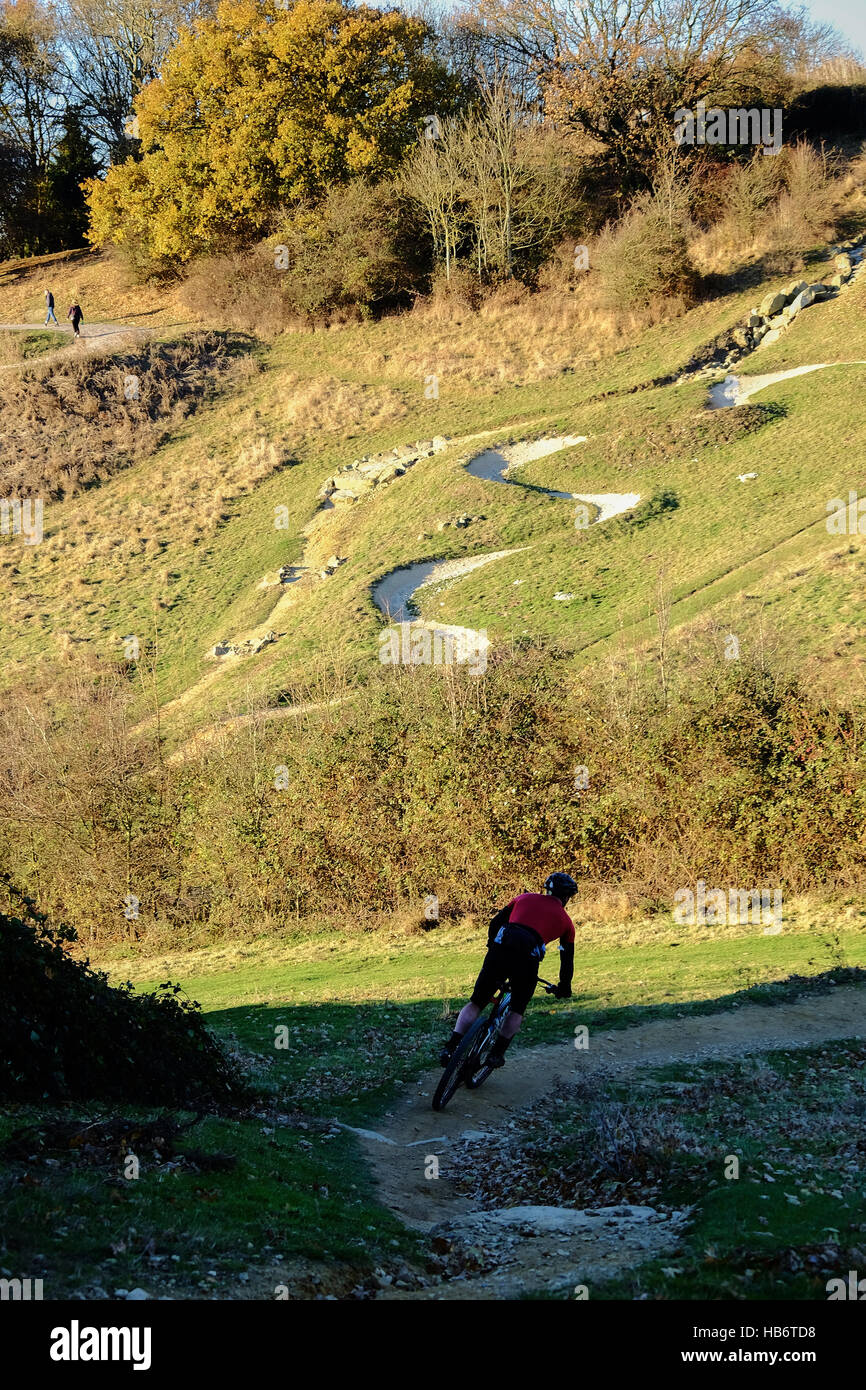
x,y
569,1244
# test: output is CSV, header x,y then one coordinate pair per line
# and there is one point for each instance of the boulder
x,y
440,444
772,303
802,301
754,320
843,264
835,282
794,289
773,335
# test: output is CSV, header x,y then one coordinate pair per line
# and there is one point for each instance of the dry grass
x,y
95,279
778,208
322,405
68,424
513,338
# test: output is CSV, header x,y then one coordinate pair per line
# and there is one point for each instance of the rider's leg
x,y
466,1018
489,980
511,1025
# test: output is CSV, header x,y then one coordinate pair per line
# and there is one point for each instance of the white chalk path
x,y
395,592
737,390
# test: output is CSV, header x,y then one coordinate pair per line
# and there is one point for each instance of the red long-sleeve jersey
x,y
544,914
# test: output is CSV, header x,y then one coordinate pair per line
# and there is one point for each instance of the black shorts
x,y
513,959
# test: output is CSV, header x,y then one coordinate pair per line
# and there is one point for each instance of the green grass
x,y
287,1197
28,345
615,967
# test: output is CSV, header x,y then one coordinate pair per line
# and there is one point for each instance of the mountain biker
x,y
516,941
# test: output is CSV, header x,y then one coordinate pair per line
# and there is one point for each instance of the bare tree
x,y
495,184
113,48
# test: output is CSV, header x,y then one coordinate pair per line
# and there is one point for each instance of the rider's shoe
x,y
446,1051
496,1055
495,1059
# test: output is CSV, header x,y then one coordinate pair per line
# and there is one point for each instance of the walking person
x,y
49,304
77,318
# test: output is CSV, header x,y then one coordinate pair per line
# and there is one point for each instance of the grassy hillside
x,y
175,546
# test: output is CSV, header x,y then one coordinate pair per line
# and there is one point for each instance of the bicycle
x,y
468,1066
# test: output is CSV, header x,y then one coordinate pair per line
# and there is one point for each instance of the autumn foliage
x,y
261,108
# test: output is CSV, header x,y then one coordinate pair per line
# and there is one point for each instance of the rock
x,y
744,477
563,598
742,337
440,444
754,320
801,301
772,303
795,288
843,264
136,1296
773,335
836,282
335,561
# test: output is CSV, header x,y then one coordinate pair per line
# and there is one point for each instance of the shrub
x,y
646,257
72,423
805,211
361,249
66,1033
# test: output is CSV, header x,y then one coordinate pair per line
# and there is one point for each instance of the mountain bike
x,y
469,1065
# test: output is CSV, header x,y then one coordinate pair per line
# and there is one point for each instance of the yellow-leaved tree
x,y
259,108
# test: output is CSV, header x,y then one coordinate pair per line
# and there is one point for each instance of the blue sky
x,y
848,16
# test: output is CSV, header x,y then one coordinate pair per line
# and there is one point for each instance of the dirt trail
x,y
556,1245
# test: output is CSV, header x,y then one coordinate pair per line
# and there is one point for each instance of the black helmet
x,y
562,886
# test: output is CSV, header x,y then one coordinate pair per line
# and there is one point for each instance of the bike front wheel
x,y
462,1064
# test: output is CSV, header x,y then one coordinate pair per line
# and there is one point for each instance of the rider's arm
x,y
501,919
566,967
